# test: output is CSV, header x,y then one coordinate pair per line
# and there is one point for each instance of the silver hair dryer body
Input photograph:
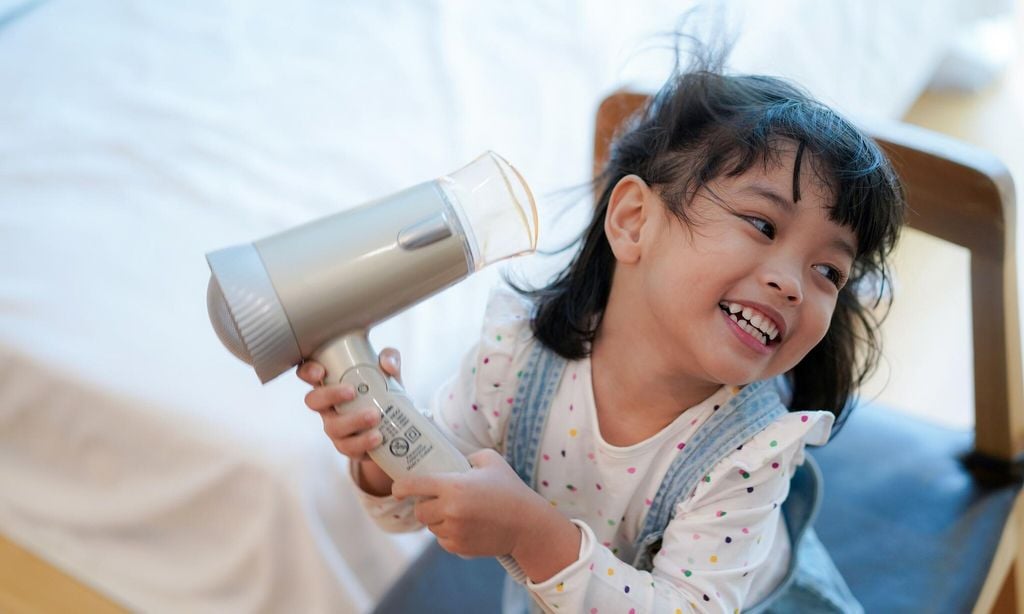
x,y
314,291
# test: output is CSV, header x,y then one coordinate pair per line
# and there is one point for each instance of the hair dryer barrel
x,y
353,269
274,302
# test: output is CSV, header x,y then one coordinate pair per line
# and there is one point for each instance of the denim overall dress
x,y
811,584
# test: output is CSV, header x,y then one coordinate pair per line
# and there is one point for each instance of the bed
x,y
136,454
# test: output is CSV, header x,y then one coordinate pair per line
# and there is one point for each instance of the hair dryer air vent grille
x,y
243,306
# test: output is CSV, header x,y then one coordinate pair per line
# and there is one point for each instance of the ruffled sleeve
x,y
726,531
776,451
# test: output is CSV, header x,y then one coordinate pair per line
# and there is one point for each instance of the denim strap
x,y
755,407
538,382
744,415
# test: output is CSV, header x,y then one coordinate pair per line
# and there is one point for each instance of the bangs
x,y
865,191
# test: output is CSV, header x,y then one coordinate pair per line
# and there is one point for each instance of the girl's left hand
x,y
482,512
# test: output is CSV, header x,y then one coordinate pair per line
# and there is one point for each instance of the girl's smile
x,y
758,326
744,290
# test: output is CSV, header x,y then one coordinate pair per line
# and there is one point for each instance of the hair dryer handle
x,y
411,442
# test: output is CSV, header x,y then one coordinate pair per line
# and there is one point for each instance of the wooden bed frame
x,y
29,584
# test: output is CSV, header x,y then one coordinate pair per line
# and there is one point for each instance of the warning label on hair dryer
x,y
400,437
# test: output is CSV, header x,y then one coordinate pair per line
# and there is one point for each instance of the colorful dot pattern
x,y
588,479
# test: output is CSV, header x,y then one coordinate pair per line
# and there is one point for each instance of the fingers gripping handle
x,y
411,443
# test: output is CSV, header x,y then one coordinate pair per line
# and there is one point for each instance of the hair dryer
x,y
315,290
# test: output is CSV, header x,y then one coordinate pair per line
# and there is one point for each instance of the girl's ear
x,y
629,206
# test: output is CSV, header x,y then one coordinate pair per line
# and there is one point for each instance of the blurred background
x,y
141,459
976,95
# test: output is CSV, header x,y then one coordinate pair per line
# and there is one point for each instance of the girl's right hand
x,y
352,433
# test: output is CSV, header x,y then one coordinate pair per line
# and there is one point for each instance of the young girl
x,y
738,224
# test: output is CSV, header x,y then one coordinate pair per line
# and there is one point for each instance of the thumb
x,y
391,362
484,458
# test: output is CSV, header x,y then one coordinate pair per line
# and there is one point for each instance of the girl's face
x,y
750,289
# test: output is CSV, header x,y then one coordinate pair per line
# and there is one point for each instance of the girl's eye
x,y
763,226
831,273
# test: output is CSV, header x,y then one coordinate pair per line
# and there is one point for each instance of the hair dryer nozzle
x,y
247,314
495,209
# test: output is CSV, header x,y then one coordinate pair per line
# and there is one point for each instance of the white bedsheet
x,y
136,452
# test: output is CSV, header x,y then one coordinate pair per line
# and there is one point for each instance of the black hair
x,y
702,125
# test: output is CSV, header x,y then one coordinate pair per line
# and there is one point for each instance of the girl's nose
x,y
788,287
781,273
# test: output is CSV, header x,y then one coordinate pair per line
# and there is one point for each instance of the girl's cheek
x,y
820,323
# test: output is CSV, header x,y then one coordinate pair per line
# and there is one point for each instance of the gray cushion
x,y
907,525
438,582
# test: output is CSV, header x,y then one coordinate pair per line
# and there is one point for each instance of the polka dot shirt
x,y
726,547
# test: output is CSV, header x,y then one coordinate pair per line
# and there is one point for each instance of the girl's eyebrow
x,y
788,207
842,245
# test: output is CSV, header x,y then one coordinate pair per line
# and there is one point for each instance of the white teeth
x,y
753,332
753,321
